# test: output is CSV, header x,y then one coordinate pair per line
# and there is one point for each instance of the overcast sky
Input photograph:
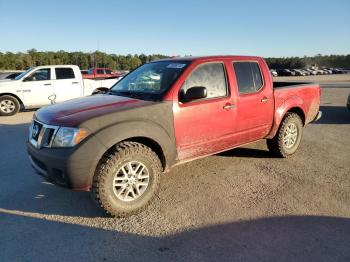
x,y
178,27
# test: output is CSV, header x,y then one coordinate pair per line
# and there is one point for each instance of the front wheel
x,y
126,180
288,137
9,105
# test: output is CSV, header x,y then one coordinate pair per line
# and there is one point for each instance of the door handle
x,y
75,82
229,106
264,99
47,84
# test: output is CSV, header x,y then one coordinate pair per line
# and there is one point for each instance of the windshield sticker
x,y
176,65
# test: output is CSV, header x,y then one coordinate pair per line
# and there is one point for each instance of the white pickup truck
x,y
44,85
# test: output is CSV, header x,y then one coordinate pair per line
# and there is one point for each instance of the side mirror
x,y
194,93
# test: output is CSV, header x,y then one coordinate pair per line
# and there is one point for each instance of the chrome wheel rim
x,y
7,106
131,181
290,135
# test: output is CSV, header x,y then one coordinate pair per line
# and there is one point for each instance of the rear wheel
x,y
9,105
127,179
288,137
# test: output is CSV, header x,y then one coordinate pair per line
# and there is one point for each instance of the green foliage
x,y
22,61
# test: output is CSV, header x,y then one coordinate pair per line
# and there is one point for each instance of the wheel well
x,y
153,145
147,142
13,95
299,112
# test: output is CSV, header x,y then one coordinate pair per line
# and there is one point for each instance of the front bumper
x,y
68,167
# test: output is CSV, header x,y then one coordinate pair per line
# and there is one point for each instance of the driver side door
x,y
205,126
37,88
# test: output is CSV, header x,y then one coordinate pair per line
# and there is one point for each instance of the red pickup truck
x,y
164,113
98,73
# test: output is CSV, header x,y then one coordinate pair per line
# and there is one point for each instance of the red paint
x,y
204,127
94,73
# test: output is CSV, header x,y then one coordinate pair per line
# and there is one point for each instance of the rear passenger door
x,y
255,103
66,85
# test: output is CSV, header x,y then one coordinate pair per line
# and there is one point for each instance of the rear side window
x,y
248,76
64,73
100,71
211,76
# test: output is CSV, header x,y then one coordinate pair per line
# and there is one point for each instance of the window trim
x,y
228,91
261,74
64,68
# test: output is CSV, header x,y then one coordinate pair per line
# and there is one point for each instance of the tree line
x,y
22,61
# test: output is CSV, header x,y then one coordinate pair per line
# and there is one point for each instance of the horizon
x,y
272,29
138,54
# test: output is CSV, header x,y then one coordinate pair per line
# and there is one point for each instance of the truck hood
x,y
74,112
8,83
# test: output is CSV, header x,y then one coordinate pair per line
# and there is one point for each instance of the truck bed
x,y
305,95
289,84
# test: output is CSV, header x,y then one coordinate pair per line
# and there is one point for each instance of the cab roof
x,y
210,58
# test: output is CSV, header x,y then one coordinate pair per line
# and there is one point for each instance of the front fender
x,y
114,134
282,109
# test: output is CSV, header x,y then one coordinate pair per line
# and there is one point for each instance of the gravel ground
x,y
241,205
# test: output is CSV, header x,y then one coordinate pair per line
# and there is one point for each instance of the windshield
x,y
152,79
23,74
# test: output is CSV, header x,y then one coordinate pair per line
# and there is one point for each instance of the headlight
x,y
69,137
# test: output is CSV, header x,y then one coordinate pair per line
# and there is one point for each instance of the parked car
x,y
339,71
307,73
298,72
44,85
328,71
118,145
285,72
84,72
320,72
273,72
9,75
311,71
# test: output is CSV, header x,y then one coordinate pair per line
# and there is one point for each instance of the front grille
x,y
41,135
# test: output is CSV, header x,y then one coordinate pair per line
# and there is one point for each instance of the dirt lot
x,y
241,205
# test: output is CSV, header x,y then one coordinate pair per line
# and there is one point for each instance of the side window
x,y
108,71
256,75
248,77
211,76
40,75
100,71
64,73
